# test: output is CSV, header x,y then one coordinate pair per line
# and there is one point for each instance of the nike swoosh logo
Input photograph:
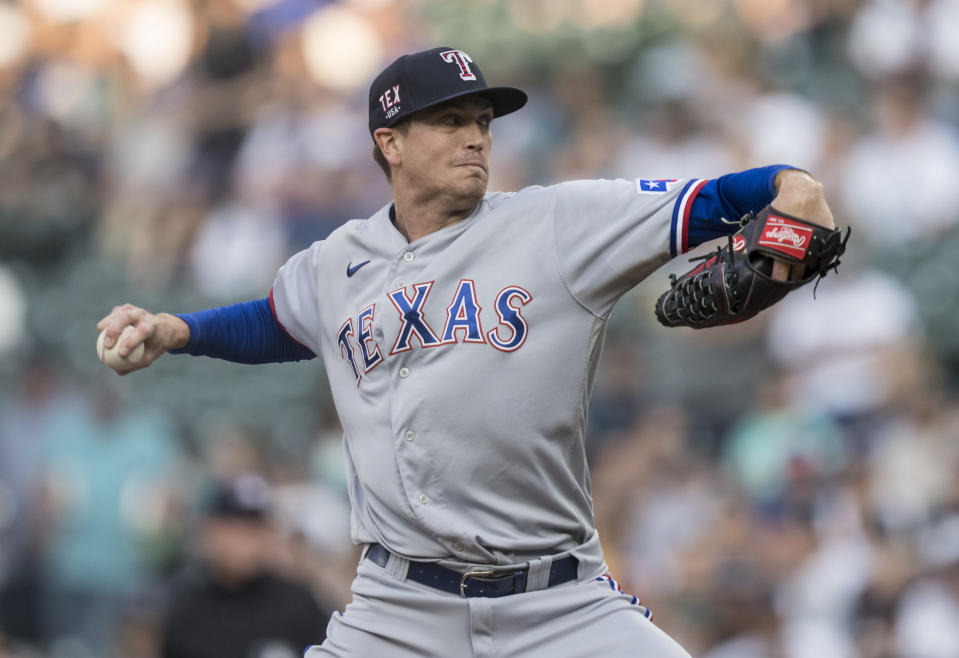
x,y
350,271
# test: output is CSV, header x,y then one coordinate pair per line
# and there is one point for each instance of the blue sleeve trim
x,y
730,196
243,333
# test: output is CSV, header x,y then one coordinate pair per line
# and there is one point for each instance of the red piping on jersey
x,y
276,317
686,211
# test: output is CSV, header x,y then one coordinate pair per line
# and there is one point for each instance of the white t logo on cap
x,y
462,59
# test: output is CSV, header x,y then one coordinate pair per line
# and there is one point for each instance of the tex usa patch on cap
x,y
654,185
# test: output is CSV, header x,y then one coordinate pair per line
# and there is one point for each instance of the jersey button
x,y
457,546
424,499
408,256
404,372
410,435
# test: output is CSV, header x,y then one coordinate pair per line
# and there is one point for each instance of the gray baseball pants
x,y
391,617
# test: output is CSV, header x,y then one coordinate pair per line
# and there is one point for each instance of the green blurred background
x,y
782,488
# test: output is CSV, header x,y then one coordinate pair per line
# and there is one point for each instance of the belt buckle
x,y
469,574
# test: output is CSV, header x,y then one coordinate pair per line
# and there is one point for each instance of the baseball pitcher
x,y
461,330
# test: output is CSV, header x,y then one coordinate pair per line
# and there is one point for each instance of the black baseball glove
x,y
735,282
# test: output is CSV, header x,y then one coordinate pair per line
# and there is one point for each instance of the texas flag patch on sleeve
x,y
654,185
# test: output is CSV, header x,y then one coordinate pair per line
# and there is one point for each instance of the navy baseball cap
x,y
420,80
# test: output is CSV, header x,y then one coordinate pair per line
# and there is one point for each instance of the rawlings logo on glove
x,y
786,236
735,282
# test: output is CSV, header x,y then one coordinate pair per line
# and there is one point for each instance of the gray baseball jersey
x,y
461,364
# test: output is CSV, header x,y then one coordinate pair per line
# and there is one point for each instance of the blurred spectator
x,y
873,617
801,146
654,500
109,477
846,352
886,37
913,462
318,551
228,84
237,251
745,626
595,134
47,188
927,620
815,601
677,142
778,451
232,602
900,178
29,423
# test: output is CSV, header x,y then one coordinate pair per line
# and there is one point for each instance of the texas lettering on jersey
x,y
464,324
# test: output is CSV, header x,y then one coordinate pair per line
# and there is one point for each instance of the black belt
x,y
487,581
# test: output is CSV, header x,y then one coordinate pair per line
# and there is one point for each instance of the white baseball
x,y
110,356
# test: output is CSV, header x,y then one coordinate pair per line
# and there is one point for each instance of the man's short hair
x,y
403,127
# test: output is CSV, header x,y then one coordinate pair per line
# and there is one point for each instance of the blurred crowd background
x,y
785,488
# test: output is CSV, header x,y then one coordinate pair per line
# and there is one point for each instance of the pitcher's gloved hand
x,y
735,282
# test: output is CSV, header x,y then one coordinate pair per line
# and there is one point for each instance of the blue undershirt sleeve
x,y
730,196
244,333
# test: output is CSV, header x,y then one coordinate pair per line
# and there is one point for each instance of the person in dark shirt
x,y
231,603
